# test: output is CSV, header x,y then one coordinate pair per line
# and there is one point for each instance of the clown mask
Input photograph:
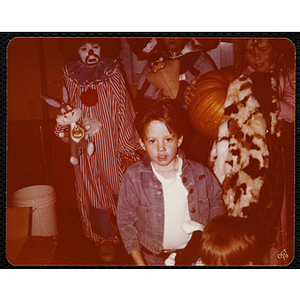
x,y
89,54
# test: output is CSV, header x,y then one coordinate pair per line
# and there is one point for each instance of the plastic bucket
x,y
42,199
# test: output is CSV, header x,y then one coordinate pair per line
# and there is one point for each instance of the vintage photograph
x,y
166,150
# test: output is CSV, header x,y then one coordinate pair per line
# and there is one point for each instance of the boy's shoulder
x,y
195,164
138,172
198,168
136,167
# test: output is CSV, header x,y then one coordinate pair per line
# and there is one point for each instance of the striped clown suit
x,y
100,92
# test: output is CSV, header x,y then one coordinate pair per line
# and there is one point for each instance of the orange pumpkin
x,y
206,109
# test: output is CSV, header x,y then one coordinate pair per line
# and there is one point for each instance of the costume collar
x,y
88,75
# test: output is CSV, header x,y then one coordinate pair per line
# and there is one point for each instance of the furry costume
x,y
245,157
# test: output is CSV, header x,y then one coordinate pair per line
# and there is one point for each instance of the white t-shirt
x,y
176,210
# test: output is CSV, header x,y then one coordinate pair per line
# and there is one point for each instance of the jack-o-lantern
x,y
206,109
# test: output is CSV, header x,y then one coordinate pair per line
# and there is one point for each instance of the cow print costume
x,y
246,157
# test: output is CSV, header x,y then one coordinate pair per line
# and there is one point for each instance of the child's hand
x,y
92,126
189,92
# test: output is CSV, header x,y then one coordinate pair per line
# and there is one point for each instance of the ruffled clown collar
x,y
88,75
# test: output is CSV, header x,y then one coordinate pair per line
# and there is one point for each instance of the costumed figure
x,y
276,56
243,120
96,86
246,157
172,64
248,114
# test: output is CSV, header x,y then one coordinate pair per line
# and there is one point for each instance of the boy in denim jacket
x,y
164,190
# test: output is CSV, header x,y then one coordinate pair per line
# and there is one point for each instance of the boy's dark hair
x,y
231,241
160,110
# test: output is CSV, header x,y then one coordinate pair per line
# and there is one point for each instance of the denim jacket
x,y
140,211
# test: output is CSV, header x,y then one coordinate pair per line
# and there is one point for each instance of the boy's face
x,y
160,144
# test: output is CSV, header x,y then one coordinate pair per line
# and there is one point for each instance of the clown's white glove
x,y
170,261
190,226
92,126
